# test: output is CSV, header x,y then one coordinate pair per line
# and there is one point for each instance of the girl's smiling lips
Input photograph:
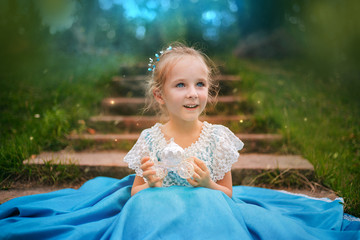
x,y
191,106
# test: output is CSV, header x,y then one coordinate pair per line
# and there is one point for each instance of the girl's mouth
x,y
191,106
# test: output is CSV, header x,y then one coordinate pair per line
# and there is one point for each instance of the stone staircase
x,y
112,133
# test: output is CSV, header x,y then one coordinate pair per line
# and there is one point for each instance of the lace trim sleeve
x,y
137,152
226,151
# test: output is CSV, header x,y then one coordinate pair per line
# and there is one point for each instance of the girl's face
x,y
185,91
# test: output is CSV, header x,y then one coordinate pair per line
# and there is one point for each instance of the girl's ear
x,y
158,96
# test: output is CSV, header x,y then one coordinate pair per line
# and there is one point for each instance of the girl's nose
x,y
192,93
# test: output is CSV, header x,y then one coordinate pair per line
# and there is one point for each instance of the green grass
x,y
319,117
41,103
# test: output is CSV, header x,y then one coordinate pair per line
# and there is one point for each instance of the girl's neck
x,y
183,127
184,133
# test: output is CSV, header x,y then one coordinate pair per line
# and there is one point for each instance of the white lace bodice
x,y
217,146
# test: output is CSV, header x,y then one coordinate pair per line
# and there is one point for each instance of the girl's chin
x,y
187,117
187,114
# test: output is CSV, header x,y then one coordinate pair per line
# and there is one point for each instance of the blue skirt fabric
x,y
102,209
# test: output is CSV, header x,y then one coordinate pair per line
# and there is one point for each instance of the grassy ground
x,y
40,104
320,118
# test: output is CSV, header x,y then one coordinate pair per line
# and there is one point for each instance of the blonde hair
x,y
167,61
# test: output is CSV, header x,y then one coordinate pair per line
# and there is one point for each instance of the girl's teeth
x,y
190,106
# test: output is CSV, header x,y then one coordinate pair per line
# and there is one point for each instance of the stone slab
x,y
135,136
104,158
153,119
115,159
270,161
114,101
110,163
144,77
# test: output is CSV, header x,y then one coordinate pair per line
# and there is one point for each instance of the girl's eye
x,y
179,85
200,84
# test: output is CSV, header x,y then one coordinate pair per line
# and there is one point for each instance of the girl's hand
x,y
149,173
201,177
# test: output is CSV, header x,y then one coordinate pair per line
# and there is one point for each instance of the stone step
x,y
137,122
154,119
135,85
110,163
135,105
134,136
132,78
142,68
115,101
261,143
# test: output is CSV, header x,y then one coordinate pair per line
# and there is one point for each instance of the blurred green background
x,y
325,34
299,57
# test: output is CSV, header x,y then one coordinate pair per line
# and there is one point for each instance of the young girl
x,y
180,87
182,188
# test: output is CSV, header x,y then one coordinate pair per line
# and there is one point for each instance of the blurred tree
x,y
332,37
20,43
261,15
267,29
323,32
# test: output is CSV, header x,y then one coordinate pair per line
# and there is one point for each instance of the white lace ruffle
x,y
226,151
137,152
351,218
324,199
217,146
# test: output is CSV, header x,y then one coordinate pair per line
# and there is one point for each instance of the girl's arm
x,y
138,185
201,178
224,185
148,173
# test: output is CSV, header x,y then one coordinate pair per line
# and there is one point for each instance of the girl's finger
x,y
196,177
144,159
192,182
201,164
146,165
149,173
155,179
198,170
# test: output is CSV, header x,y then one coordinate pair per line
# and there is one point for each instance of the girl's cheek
x,y
204,92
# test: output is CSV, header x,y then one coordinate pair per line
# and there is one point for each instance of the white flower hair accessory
x,y
151,64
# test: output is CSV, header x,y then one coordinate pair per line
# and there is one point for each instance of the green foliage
x,y
50,173
318,117
43,103
332,36
284,179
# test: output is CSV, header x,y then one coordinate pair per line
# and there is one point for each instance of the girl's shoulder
x,y
151,131
153,135
223,135
219,130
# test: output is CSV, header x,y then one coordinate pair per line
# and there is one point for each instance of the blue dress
x,y
104,209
